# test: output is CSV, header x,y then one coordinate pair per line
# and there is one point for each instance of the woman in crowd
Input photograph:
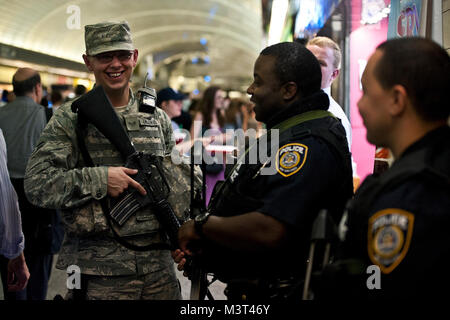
x,y
209,124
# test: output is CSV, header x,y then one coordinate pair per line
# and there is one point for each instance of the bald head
x,y
24,74
27,82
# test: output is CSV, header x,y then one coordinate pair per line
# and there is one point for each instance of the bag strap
x,y
302,117
287,124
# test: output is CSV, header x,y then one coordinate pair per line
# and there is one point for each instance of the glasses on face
x,y
107,57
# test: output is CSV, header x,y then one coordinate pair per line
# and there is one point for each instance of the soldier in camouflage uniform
x,y
57,177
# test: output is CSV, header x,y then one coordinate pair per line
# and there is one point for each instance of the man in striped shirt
x,y
11,236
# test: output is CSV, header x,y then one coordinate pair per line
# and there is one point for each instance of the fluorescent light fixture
x,y
277,20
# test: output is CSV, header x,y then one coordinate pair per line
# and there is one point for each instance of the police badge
x,y
291,158
389,237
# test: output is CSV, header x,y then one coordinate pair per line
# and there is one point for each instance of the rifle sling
x,y
291,122
79,130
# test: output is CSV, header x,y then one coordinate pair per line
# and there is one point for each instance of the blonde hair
x,y
325,42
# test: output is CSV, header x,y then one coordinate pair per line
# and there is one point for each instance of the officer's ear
x,y
87,62
289,90
399,100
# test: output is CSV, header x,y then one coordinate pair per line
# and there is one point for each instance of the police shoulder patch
x,y
389,237
291,158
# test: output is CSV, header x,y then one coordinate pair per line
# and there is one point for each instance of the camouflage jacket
x,y
56,177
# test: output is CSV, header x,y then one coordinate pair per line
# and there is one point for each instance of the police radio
x,y
147,98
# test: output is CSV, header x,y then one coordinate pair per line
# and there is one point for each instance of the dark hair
x,y
23,87
296,63
423,68
80,90
194,106
56,96
5,95
233,110
206,107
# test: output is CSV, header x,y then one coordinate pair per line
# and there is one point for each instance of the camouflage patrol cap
x,y
107,36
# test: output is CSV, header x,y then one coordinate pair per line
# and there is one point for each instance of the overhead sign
x,y
404,19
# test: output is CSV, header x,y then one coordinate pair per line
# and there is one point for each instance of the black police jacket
x,y
311,170
398,222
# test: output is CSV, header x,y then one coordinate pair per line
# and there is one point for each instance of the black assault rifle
x,y
94,107
150,174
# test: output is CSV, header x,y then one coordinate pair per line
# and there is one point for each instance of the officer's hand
x,y
188,239
178,257
119,180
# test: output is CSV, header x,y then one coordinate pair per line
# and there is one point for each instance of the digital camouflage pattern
x,y
107,36
149,287
56,177
178,178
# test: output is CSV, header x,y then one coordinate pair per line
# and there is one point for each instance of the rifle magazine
x,y
124,209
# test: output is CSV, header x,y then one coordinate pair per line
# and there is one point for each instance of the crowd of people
x,y
62,176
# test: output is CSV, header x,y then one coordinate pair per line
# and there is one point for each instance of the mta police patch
x,y
389,237
291,158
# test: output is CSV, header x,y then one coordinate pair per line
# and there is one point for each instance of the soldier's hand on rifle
x,y
119,180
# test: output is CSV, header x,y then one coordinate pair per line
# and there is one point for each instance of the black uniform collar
x,y
433,137
316,101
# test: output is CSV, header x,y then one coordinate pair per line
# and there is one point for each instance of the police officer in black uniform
x,y
255,236
398,222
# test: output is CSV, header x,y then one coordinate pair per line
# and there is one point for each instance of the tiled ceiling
x,y
227,33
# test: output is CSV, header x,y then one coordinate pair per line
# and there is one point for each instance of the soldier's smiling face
x,y
112,69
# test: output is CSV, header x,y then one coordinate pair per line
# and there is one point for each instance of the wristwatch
x,y
199,221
